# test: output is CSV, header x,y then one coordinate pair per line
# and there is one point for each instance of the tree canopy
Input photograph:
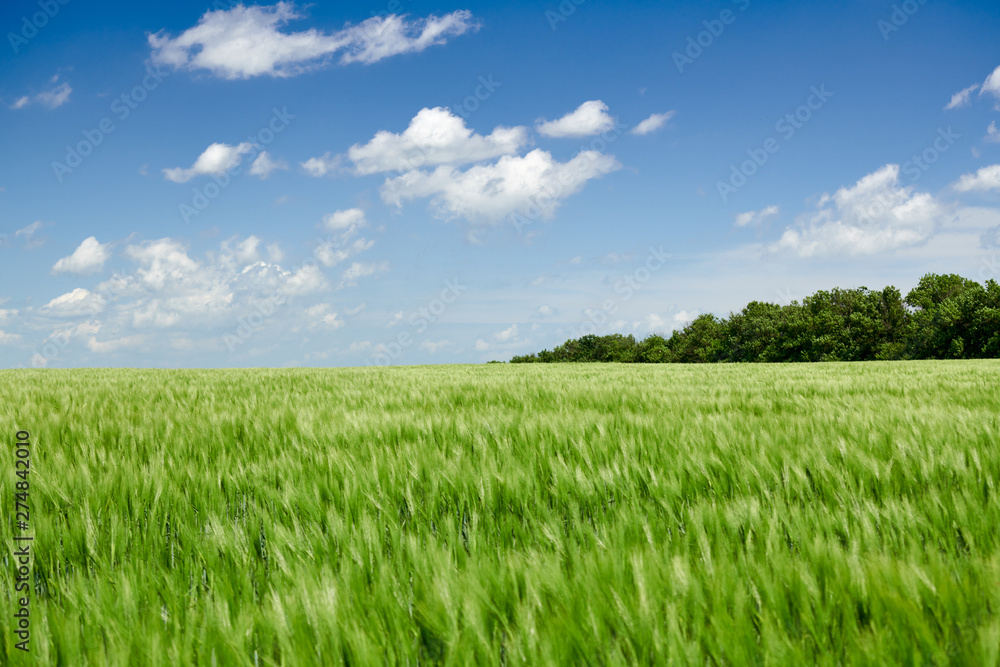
x,y
943,317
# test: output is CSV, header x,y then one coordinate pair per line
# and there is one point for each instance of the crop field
x,y
558,514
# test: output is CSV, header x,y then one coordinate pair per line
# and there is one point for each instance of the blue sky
x,y
343,184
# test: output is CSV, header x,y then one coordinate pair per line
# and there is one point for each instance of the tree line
x,y
943,317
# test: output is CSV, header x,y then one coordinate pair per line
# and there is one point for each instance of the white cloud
x,y
546,311
875,215
263,165
162,261
318,310
274,253
507,334
321,166
75,304
29,232
653,323
51,98
348,219
169,288
482,345
434,137
434,346
351,312
304,281
992,134
338,248
962,97
685,317
237,253
8,338
331,253
89,257
7,314
115,344
244,42
992,84
321,317
55,97
215,160
331,321
652,124
358,270
491,192
987,178
755,218
588,119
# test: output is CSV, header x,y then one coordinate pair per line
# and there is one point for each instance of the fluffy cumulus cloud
x,y
56,96
992,133
434,137
215,160
249,41
652,124
168,289
534,184
77,303
321,166
875,215
89,257
264,164
589,118
349,219
987,178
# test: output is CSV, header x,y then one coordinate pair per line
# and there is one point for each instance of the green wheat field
x,y
833,514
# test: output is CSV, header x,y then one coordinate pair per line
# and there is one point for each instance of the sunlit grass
x,y
578,514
